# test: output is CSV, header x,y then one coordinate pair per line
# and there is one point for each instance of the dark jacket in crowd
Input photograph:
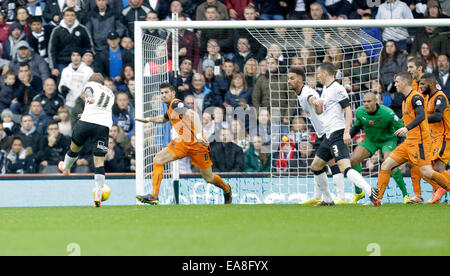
x,y
55,153
38,66
20,163
118,163
254,162
31,139
131,14
227,157
52,104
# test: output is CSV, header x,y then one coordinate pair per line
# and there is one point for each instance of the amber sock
x,y
218,181
383,180
157,175
416,175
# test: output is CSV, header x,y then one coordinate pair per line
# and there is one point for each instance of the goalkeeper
x,y
379,123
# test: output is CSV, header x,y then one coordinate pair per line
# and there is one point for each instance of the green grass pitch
x,y
236,230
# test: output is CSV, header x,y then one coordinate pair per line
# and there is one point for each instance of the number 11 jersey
x,y
100,112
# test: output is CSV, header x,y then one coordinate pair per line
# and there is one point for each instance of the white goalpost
x,y
288,43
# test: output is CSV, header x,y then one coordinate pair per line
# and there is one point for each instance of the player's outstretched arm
x,y
317,104
158,119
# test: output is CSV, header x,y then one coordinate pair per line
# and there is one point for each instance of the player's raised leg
x,y
161,158
216,180
69,159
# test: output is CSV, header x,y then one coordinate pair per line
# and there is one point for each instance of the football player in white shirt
x,y
308,99
337,120
94,123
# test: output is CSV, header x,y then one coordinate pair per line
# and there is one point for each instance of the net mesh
x,y
156,71
353,52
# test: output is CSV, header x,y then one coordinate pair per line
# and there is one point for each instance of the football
x,y
106,192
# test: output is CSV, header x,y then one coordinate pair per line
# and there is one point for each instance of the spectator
x,y
39,117
123,114
308,58
5,139
255,160
360,8
239,89
117,133
204,96
239,136
52,149
429,56
126,75
38,66
115,158
223,82
271,9
16,34
377,87
432,36
442,74
101,22
35,8
434,9
159,33
223,36
184,79
251,71
361,71
395,9
372,48
226,155
160,7
258,50
130,154
116,5
127,43
306,157
9,126
66,37
4,29
64,124
208,73
299,131
334,55
109,82
264,128
263,67
29,87
188,45
243,53
39,37
221,14
275,52
208,126
50,99
54,10
281,97
88,59
159,64
110,63
286,159
29,135
176,7
8,90
391,61
19,161
316,12
214,54
261,92
73,79
21,16
236,8
336,8
134,12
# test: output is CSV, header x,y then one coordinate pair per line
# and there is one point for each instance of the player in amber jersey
x,y
417,148
191,142
438,113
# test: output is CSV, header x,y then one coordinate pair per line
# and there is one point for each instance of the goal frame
x,y
140,26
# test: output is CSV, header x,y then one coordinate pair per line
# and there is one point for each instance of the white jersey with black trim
x,y
333,115
99,112
316,119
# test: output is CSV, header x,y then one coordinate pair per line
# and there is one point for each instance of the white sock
x,y
317,191
322,182
338,180
69,161
359,181
99,180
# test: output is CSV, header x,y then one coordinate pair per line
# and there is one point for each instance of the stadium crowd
x,y
49,49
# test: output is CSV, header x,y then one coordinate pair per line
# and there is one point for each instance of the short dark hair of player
x,y
418,62
167,85
405,76
97,77
298,71
428,76
328,67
